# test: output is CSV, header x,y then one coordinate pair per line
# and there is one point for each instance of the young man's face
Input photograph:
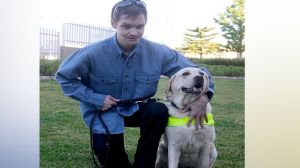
x,y
129,30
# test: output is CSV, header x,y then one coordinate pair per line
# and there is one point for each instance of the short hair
x,y
131,10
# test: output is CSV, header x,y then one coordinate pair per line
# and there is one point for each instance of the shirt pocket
x,y
103,84
146,85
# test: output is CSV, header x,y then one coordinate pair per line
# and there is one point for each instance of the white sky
x,y
168,20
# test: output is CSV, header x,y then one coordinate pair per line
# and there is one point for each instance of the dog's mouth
x,y
197,87
196,90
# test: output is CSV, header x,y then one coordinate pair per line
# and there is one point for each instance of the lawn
x,y
64,138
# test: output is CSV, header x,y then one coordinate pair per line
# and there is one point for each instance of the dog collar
x,y
174,105
175,122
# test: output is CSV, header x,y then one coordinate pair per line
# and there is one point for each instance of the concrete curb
x,y
229,77
47,77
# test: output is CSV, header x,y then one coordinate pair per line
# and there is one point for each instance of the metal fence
x,y
77,35
49,44
73,36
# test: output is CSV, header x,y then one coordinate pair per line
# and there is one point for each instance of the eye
x,y
140,26
186,73
201,73
125,26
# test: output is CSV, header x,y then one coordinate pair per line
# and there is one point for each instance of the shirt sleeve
x,y
174,61
211,86
70,76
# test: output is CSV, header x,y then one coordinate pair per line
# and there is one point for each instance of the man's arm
x,y
70,76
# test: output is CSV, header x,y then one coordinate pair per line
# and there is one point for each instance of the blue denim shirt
x,y
102,69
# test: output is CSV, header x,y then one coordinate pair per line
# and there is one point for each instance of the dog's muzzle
x,y
197,88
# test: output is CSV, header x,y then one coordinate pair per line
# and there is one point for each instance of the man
x,y
124,67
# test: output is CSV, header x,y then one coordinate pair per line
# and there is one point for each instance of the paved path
x,y
229,77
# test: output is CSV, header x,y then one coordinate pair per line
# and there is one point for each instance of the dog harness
x,y
175,122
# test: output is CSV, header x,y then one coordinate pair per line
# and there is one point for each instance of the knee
x,y
99,142
161,112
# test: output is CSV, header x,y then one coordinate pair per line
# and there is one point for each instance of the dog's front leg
x,y
173,155
213,154
203,160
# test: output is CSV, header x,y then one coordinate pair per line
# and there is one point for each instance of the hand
x,y
198,111
109,102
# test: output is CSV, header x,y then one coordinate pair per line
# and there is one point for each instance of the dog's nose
x,y
198,80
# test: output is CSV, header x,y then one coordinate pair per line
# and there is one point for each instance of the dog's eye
x,y
185,73
201,73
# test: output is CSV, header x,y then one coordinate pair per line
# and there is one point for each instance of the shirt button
x,y
126,88
126,76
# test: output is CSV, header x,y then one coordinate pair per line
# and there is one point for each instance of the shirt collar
x,y
117,49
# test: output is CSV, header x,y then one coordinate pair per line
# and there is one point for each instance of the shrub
x,y
220,61
49,67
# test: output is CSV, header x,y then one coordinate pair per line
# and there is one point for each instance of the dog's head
x,y
187,85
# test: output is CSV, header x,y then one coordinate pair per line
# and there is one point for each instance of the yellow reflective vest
x,y
175,122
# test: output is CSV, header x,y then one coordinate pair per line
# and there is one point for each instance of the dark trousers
x,y
152,119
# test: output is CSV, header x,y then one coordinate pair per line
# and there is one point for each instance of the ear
x,y
169,87
205,83
113,23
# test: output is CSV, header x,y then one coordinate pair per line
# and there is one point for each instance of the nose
x,y
198,81
134,32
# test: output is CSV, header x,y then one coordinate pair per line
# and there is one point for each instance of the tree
x,y
233,27
198,41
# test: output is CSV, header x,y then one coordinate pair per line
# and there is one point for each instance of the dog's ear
x,y
205,83
169,87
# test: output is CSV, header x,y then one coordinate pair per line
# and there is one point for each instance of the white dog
x,y
182,146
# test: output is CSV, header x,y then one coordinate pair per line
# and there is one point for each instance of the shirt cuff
x,y
210,94
97,100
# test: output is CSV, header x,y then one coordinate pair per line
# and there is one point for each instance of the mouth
x,y
133,39
193,90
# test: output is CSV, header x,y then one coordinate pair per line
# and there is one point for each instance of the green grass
x,y
222,70
64,138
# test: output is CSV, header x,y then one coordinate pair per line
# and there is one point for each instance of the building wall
x,y
67,51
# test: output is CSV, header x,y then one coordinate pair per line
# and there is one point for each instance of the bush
x,y
220,61
49,67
